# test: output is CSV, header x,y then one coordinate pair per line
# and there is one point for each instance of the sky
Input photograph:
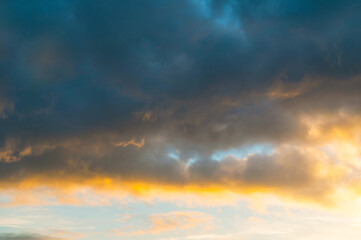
x,y
180,120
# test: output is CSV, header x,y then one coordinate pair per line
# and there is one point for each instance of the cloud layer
x,y
143,93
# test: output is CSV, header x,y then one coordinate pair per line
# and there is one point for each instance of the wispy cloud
x,y
171,221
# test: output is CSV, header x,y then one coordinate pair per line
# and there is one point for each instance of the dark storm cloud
x,y
192,77
307,37
71,67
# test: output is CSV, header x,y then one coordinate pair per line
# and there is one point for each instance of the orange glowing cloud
x,y
131,142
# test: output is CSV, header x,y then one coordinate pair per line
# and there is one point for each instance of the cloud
x,y
131,142
171,221
11,236
177,221
131,96
288,171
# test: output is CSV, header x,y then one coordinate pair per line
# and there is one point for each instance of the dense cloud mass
x,y
144,91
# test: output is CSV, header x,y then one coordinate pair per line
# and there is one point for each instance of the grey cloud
x,y
11,236
76,77
74,69
289,170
